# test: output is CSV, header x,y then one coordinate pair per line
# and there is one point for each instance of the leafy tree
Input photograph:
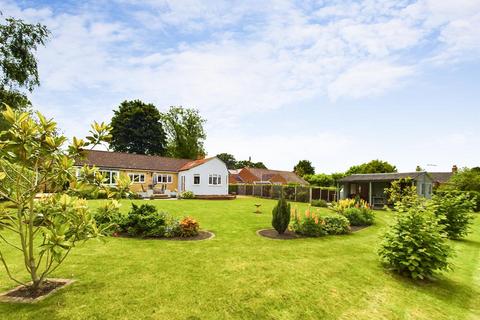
x,y
281,216
304,167
185,133
418,169
229,160
321,179
455,212
250,164
18,65
374,166
466,180
136,128
415,245
402,193
46,230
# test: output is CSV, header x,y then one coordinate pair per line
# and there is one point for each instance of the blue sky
x,y
335,82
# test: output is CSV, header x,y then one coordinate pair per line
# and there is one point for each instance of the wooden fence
x,y
292,193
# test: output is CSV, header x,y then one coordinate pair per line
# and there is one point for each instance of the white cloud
x,y
232,59
368,79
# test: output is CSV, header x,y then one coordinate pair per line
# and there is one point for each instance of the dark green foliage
x,y
302,196
185,133
465,180
359,216
109,219
145,221
336,224
229,160
454,211
319,203
304,167
281,216
136,128
18,64
323,180
415,246
374,166
249,164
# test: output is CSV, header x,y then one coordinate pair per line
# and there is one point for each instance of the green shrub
x,y
109,218
281,216
336,224
145,221
359,216
302,196
187,195
319,203
415,246
454,210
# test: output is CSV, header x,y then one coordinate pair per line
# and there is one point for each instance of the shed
x,y
371,187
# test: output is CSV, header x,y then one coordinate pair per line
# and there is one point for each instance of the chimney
x,y
454,168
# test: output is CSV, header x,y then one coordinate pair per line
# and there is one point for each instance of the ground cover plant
x,y
239,275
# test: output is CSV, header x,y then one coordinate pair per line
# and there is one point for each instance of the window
x,y
110,176
214,179
196,179
164,178
137,177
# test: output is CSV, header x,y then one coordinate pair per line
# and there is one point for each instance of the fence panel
x,y
291,193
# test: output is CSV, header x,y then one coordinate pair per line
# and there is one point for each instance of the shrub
x,y
454,211
310,225
302,196
359,216
187,195
319,203
188,227
281,216
415,246
109,218
336,224
145,221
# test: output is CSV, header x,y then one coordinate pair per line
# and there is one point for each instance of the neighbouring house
x,y
371,187
155,175
264,176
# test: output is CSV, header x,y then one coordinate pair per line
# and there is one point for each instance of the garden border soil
x,y
202,235
20,295
273,234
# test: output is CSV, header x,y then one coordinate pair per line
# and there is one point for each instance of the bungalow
x,y
161,175
264,176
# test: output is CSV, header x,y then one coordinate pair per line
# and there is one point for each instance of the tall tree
x,y
304,167
185,133
374,166
136,128
229,160
250,164
18,64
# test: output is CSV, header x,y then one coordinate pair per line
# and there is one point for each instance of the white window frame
x,y
214,179
199,179
164,178
110,175
137,177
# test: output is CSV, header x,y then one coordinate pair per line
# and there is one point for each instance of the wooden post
x,y
321,194
370,193
295,193
310,188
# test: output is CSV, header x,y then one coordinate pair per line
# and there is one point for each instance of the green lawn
x,y
239,275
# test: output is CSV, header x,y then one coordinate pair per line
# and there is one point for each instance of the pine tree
x,y
281,216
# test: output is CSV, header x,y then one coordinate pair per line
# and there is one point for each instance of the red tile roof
x,y
120,160
195,163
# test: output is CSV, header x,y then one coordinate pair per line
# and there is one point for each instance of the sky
x,y
335,82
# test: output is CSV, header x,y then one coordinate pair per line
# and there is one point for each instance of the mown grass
x,y
239,275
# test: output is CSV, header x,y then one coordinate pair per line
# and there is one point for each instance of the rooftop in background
x,y
257,175
437,177
121,160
